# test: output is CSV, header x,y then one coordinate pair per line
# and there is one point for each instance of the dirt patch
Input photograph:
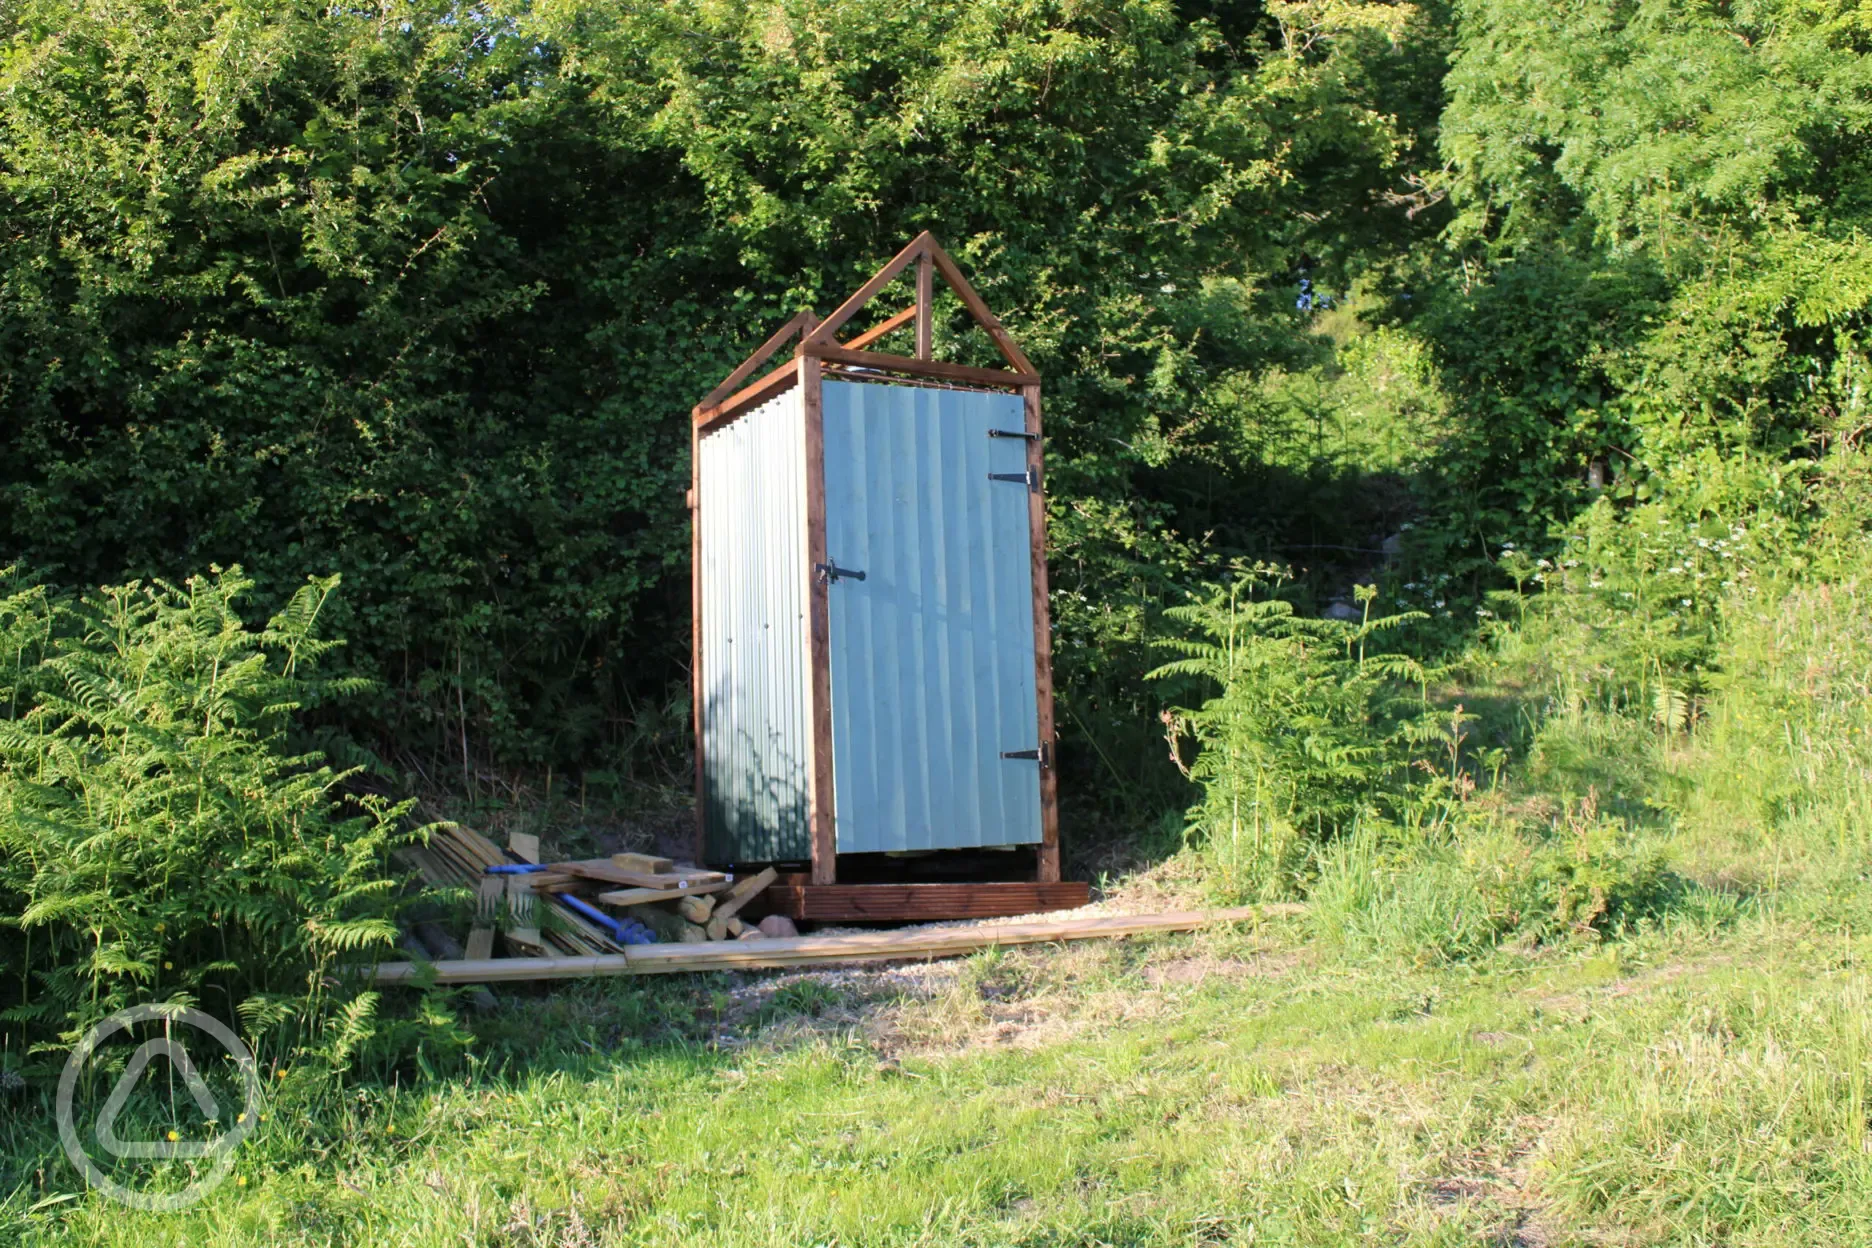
x,y
1024,998
1496,1188
1198,969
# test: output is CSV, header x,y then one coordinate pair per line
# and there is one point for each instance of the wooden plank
x,y
925,299
649,864
918,368
896,322
818,631
487,910
824,950
522,917
644,896
602,870
1004,341
922,902
1049,859
826,332
801,323
743,892
773,384
524,846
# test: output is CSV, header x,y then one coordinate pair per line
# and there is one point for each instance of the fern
x,y
1297,733
160,839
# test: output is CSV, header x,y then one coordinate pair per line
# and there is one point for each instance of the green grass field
x,y
1686,1086
1363,1074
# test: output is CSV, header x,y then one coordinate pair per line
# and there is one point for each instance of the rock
x,y
1342,610
778,926
752,933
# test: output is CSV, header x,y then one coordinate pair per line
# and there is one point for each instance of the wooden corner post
x,y
819,799
1043,648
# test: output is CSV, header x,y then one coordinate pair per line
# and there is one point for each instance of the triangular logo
x,y
106,1130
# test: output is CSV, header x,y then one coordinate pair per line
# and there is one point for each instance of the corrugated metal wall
x,y
755,724
932,653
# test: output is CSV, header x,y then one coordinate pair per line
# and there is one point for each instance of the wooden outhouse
x,y
873,691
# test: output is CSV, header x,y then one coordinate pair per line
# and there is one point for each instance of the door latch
x,y
831,573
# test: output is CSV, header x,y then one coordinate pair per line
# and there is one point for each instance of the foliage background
x,y
1433,299
420,292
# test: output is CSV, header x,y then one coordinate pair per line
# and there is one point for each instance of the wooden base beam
x,y
911,903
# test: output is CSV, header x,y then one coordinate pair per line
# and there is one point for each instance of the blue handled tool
x,y
624,931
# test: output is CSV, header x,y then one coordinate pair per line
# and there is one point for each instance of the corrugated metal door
x,y
932,652
755,732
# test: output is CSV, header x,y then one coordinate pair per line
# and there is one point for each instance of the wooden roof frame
x,y
818,339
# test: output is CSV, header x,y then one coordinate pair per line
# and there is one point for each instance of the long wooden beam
x,y
938,942
919,368
911,313
802,323
826,331
777,382
1010,350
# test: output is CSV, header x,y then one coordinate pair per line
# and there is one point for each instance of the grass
x,y
1387,1070
1688,1085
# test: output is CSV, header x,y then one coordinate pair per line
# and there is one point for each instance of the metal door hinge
x,y
1030,478
1043,755
1013,433
831,572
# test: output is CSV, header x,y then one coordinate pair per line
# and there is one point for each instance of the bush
x,y
160,839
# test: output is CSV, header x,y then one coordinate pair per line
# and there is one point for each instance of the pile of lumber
x,y
459,857
918,943
552,909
